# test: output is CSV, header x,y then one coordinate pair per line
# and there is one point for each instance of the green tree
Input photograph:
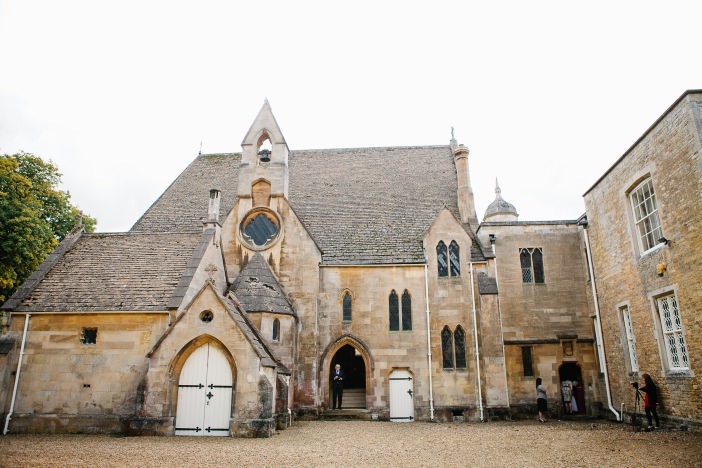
x,y
34,217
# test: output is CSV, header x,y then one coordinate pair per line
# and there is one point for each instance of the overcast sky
x,y
546,95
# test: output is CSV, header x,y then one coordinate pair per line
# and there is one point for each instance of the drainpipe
x,y
17,374
431,388
600,350
499,316
426,295
475,337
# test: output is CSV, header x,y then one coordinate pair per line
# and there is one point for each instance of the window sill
x,y
679,374
651,251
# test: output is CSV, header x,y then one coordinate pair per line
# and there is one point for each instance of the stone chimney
x,y
213,210
466,202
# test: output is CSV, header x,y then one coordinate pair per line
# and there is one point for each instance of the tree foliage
x,y
34,217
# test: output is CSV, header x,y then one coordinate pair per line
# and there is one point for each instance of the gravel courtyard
x,y
346,443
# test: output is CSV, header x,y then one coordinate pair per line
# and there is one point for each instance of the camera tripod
x,y
637,409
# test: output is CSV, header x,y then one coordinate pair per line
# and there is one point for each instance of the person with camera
x,y
650,400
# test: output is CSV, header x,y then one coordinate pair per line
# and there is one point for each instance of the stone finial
x,y
500,210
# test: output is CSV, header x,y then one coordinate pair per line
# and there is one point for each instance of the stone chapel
x,y
223,310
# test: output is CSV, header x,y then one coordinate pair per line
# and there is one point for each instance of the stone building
x,y
644,224
225,307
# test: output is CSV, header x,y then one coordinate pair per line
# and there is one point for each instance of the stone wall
x,y
669,153
544,316
66,386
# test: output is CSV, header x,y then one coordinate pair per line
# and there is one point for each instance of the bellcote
x,y
264,155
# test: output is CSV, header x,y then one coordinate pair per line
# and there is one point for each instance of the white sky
x,y
547,95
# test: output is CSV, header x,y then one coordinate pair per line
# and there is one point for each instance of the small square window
x,y
89,336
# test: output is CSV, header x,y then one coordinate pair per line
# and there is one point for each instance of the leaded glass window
x,y
630,339
406,311
459,339
532,263
673,337
346,315
455,259
276,330
645,209
260,229
447,348
442,259
527,363
394,312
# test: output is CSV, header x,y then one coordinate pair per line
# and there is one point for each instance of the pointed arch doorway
x,y
204,393
354,367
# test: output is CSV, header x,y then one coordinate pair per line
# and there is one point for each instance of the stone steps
x,y
347,415
354,398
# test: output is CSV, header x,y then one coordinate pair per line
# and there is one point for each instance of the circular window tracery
x,y
260,228
206,316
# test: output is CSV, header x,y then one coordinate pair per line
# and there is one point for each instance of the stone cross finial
x,y
211,269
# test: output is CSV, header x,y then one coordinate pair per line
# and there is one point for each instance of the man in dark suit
x,y
337,379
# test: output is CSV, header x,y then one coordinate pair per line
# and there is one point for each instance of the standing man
x,y
337,386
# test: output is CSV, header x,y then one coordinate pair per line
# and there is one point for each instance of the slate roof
x,y
372,205
112,272
362,205
257,289
254,336
184,205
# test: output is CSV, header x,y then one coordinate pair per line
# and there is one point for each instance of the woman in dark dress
x,y
650,400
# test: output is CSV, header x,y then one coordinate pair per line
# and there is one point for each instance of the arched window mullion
x,y
406,311
394,312
447,348
454,259
459,340
442,259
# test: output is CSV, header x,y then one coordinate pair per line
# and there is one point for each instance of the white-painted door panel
x,y
204,394
401,396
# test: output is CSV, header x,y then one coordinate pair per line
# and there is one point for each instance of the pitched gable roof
x,y
361,205
372,205
112,272
237,313
258,290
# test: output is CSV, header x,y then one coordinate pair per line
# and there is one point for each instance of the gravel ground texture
x,y
365,443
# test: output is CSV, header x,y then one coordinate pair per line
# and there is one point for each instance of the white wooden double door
x,y
204,394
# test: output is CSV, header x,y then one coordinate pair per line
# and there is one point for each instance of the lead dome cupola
x,y
500,209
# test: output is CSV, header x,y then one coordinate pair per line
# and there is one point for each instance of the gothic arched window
x,y
447,348
394,312
532,262
346,312
442,259
276,330
455,259
406,311
459,340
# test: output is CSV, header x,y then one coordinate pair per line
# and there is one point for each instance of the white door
x,y
401,396
204,394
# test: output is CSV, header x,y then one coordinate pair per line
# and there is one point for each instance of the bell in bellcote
x,y
264,155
